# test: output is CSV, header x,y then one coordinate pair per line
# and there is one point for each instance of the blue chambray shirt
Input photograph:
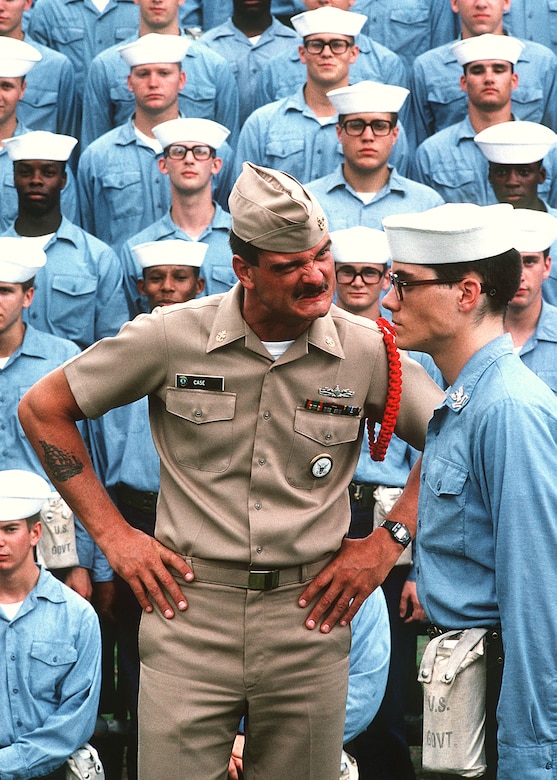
x,y
50,659
8,193
217,266
438,101
78,293
77,29
534,21
345,209
121,187
487,535
451,163
210,91
247,59
49,101
287,135
284,73
540,351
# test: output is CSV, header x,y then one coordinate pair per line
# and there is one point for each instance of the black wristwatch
x,y
398,531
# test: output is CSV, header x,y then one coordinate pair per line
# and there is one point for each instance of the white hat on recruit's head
x,y
20,259
39,145
516,143
328,20
152,48
173,252
487,47
535,230
16,57
452,233
22,494
360,244
200,131
368,97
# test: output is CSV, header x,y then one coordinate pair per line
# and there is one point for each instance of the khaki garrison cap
x,y
271,210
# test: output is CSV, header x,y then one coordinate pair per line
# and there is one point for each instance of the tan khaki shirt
x,y
236,464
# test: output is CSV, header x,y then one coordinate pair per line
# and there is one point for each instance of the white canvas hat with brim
x,y
183,130
452,233
329,20
487,47
535,230
152,48
516,143
172,252
16,57
39,145
367,97
22,494
20,259
360,244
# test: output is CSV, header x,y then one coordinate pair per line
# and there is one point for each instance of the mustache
x,y
312,290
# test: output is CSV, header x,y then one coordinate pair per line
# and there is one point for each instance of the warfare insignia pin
x,y
336,392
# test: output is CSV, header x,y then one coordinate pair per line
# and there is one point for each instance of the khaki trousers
x,y
238,652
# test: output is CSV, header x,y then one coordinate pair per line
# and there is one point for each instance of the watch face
x,y
401,534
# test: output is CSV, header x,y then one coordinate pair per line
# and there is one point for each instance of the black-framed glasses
x,y
356,127
399,284
347,273
337,45
179,151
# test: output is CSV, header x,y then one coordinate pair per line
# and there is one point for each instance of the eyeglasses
x,y
355,127
346,275
179,151
398,283
316,46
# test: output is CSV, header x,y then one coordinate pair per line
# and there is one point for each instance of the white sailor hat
x,y
487,47
271,210
172,252
20,259
201,131
360,244
328,20
516,143
368,97
452,233
16,57
155,48
535,230
22,494
39,145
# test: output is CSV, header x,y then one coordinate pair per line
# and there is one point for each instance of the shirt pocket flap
x,y
326,429
414,15
66,35
54,653
74,285
446,478
284,147
455,176
200,406
121,179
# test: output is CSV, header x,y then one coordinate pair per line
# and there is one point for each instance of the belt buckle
x,y
263,579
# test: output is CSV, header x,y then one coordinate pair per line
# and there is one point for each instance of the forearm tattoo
x,y
61,465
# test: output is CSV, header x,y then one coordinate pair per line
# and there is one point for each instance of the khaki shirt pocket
x,y
203,427
319,434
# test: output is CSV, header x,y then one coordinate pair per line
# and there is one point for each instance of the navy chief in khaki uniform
x,y
257,400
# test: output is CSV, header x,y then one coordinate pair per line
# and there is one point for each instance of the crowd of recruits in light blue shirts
x,y
427,25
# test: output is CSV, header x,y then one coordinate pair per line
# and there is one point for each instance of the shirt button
x,y
262,461
12,657
266,415
259,550
15,690
328,436
258,505
198,413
